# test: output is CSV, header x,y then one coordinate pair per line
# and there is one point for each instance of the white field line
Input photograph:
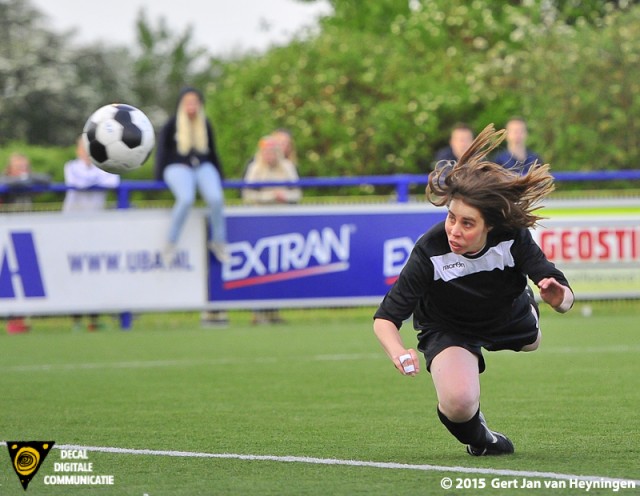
x,y
349,463
148,364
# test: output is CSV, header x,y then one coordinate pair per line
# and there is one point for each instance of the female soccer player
x,y
465,283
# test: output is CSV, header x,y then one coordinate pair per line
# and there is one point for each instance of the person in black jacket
x,y
186,159
459,141
517,156
465,283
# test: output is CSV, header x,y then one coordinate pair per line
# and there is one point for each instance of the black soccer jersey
x,y
462,293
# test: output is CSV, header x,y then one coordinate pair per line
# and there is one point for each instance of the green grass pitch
x,y
318,389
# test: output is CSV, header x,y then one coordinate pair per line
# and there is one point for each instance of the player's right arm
x,y
398,305
390,339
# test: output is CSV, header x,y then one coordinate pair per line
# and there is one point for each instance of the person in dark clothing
x,y
459,141
19,178
186,159
465,283
517,156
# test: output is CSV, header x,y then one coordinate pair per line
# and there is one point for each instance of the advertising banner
x,y
600,255
280,256
54,263
316,256
342,256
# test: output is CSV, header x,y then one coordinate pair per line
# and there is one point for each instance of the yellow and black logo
x,y
26,458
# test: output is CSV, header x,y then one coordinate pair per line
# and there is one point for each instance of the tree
x,y
49,86
362,101
578,85
372,17
365,101
49,89
166,62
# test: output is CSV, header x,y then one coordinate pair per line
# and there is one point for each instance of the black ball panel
x,y
124,106
123,116
97,151
131,135
91,131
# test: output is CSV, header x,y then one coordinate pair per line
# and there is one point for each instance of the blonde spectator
x,y
270,165
285,139
187,161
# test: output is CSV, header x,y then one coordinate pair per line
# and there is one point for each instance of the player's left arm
x,y
551,281
555,294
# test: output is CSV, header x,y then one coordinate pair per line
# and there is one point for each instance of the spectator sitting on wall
x,y
187,161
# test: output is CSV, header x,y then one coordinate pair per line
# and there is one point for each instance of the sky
x,y
223,27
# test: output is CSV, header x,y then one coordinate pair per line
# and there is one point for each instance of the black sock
x,y
470,432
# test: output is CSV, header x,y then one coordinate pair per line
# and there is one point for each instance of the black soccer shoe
x,y
499,444
502,446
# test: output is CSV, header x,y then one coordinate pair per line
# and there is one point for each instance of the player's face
x,y
465,227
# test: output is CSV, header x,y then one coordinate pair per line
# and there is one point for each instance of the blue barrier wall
x,y
400,182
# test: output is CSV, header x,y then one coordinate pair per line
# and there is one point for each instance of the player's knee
x,y
460,406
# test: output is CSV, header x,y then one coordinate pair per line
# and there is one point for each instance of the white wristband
x,y
567,301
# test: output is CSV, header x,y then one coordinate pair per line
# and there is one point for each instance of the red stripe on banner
x,y
283,276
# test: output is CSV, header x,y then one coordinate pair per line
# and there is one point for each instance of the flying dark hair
x,y
505,198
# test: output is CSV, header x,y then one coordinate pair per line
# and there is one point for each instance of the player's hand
x,y
407,363
551,291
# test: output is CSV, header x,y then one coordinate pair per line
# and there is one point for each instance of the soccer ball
x,y
118,138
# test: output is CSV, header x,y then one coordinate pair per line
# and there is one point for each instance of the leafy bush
x,y
364,101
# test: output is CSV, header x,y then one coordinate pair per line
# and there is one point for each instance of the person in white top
x,y
82,174
270,165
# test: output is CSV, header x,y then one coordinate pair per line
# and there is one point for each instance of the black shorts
x,y
519,332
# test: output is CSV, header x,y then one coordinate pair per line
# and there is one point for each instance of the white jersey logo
x,y
451,266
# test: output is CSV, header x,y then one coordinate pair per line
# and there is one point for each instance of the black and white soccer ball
x,y
118,138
